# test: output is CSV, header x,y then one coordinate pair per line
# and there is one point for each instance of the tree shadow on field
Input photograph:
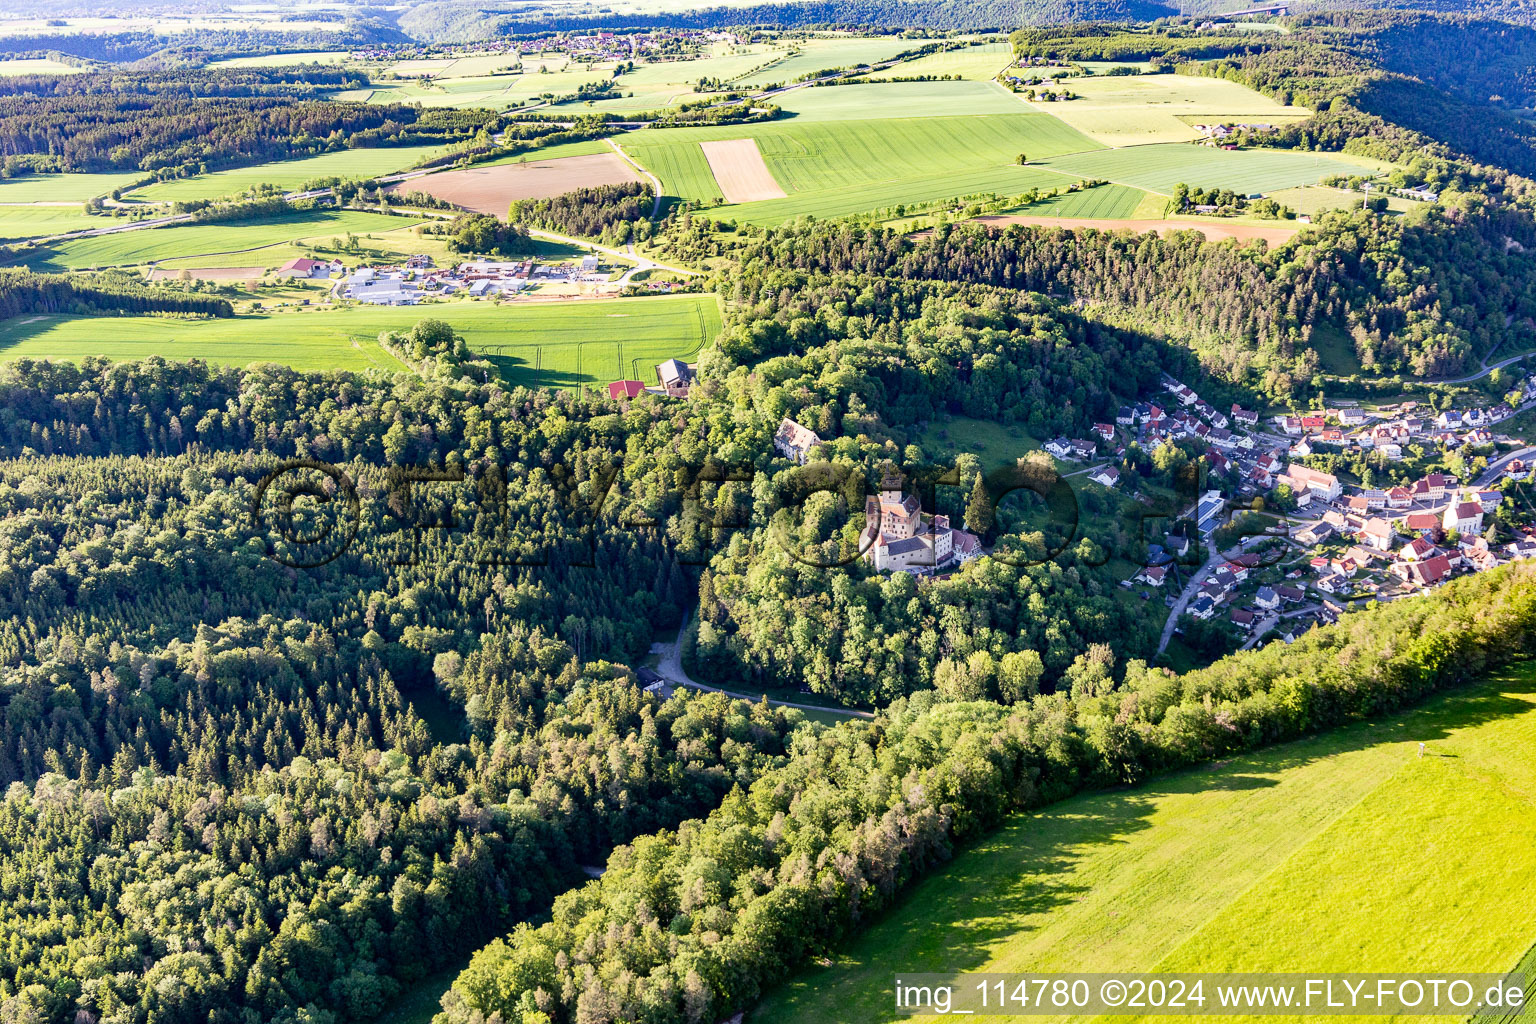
x,y
518,371
952,921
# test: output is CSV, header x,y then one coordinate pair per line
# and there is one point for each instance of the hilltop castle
x,y
898,539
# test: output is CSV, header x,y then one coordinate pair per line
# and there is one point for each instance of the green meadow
x,y
879,100
551,344
287,174
277,60
37,66
1106,202
63,188
974,63
829,53
1343,852
18,222
237,244
894,161
1158,168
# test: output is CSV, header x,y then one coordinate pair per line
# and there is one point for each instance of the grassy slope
x,y
17,222
1110,202
1159,168
973,63
62,188
877,100
824,54
1136,110
130,248
287,174
1344,851
581,341
839,167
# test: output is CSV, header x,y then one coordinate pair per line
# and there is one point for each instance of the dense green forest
x,y
1424,295
693,924
189,122
312,684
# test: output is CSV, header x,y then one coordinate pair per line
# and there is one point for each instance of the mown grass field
x,y
887,195
232,243
288,338
286,174
1136,110
1344,852
62,188
277,60
973,63
829,53
554,344
1103,202
586,147
37,66
17,222
495,92
835,167
1159,168
880,100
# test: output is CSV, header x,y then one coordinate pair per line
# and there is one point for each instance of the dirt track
x,y
207,273
492,189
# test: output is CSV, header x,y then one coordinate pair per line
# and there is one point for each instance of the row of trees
x,y
26,294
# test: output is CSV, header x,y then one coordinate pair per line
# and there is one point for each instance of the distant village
x,y
657,44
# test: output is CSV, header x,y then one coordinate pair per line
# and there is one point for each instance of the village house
x,y
1425,572
1421,523
676,377
898,539
624,389
1071,449
1105,476
309,269
1415,550
1353,417
1477,555
1303,478
1267,599
1153,576
1245,417
1290,594
1433,487
1378,534
1315,534
1489,500
795,442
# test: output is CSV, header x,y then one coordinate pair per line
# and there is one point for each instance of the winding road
x,y
671,669
1188,593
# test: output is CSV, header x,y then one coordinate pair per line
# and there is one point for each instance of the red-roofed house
x,y
1424,573
625,389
